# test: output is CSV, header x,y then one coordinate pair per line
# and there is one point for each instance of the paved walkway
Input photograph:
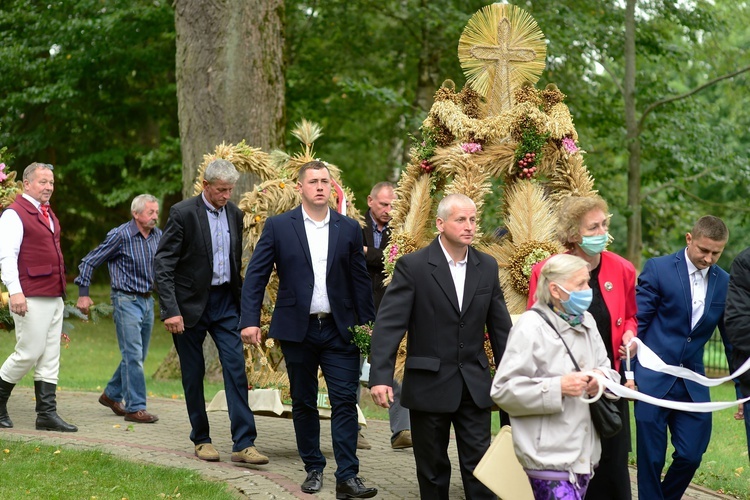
x,y
167,443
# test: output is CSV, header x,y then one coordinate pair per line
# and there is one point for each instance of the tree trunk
x,y
635,237
230,87
230,79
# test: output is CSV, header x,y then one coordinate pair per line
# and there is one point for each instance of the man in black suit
x,y
377,235
324,289
444,295
197,270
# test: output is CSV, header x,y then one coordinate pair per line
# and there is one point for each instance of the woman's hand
x,y
574,384
627,337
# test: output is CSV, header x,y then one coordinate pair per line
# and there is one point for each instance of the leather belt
x,y
219,287
145,295
320,316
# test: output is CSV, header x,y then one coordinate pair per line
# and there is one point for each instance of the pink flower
x,y
3,175
570,145
471,147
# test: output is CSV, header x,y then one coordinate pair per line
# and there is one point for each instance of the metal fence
x,y
714,356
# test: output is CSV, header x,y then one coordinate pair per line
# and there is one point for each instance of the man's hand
x,y
175,325
84,303
382,395
251,335
18,304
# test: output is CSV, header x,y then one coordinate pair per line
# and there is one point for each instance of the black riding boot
x,y
5,390
47,418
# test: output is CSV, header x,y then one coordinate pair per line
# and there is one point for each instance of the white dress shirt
x,y
11,228
317,240
458,272
698,287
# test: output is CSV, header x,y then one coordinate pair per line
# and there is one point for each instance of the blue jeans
x,y
134,320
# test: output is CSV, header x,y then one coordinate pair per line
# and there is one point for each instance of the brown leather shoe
x,y
362,442
113,405
142,417
402,440
249,455
207,452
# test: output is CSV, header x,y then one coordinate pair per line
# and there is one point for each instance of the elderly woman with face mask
x,y
583,230
538,385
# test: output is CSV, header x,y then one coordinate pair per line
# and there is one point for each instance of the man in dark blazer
x,y
324,289
680,300
197,271
737,324
377,235
445,295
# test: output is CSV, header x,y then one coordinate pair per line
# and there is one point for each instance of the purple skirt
x,y
556,485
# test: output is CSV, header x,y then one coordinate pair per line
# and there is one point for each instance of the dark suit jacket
x,y
445,346
283,243
374,258
737,316
183,265
664,321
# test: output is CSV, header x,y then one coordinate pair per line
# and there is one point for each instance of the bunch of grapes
x,y
526,166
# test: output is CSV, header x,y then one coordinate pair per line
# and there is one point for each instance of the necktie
x,y
698,295
45,213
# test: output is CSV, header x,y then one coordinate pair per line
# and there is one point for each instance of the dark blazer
x,y
183,265
445,346
737,316
664,321
283,243
374,258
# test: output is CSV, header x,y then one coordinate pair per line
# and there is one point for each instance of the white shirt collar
x,y
306,216
691,267
448,256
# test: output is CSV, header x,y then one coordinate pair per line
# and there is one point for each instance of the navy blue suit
x,y
308,342
664,319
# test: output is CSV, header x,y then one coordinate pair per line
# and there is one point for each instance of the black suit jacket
x,y
183,265
283,244
374,258
445,345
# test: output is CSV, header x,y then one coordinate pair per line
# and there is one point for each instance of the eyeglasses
x,y
48,165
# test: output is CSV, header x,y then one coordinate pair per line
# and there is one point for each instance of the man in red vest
x,y
32,268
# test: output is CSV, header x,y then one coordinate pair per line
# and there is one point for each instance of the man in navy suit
x,y
680,303
324,289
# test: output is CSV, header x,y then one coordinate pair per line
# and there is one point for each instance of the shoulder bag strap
x,y
546,320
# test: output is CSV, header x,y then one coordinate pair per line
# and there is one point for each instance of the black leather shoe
x,y
314,482
354,488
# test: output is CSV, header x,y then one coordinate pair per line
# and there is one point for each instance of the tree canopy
x,y
89,86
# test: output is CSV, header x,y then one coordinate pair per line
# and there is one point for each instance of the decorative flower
x,y
362,337
471,147
3,175
257,218
270,343
570,145
281,185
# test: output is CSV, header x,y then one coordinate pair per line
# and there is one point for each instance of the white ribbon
x,y
648,359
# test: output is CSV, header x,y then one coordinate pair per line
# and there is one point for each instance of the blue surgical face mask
x,y
578,301
594,245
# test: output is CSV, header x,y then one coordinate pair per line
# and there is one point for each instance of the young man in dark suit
x,y
197,269
324,289
444,295
681,300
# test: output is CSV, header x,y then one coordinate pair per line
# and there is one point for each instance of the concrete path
x,y
167,443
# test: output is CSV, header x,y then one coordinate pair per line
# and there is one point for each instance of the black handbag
x,y
604,413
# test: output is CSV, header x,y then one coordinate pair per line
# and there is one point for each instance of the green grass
x,y
91,357
50,472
